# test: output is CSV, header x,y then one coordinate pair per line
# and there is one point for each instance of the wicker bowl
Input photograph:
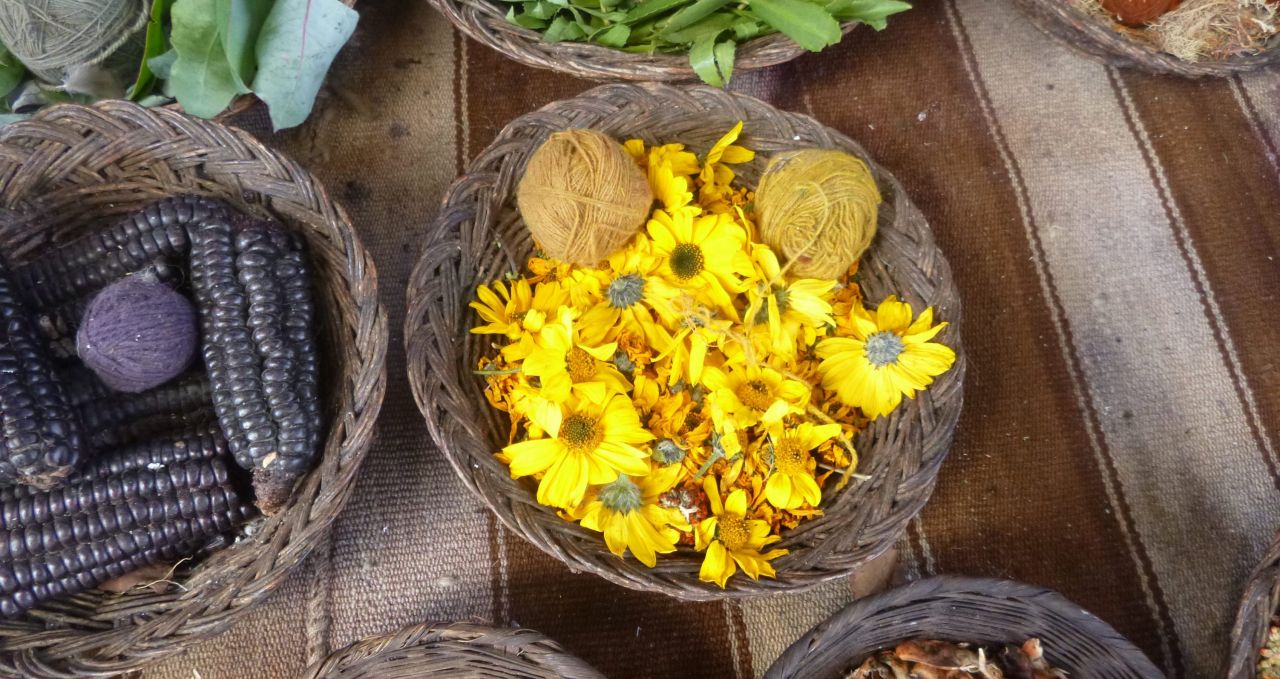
x,y
73,167
485,22
479,237
1253,620
972,610
1077,28
453,651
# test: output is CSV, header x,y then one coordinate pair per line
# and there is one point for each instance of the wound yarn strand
x,y
48,36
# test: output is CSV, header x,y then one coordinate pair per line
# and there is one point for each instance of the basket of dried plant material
x,y
453,650
1190,38
742,387
963,627
1255,638
661,39
191,366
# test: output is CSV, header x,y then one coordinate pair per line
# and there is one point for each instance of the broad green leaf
x,y
870,12
11,72
154,45
713,25
200,79
692,14
239,22
745,28
526,20
615,37
162,64
651,8
563,29
810,25
295,48
712,60
7,118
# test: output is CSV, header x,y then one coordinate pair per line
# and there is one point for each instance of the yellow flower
x,y
885,357
791,484
515,310
732,540
629,514
702,254
565,361
716,193
790,311
587,444
742,394
631,294
689,348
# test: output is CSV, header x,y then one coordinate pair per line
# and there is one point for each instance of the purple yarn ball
x,y
137,334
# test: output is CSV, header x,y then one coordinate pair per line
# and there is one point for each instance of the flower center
x,y
686,261
625,291
883,348
755,394
582,433
732,532
580,365
621,496
790,457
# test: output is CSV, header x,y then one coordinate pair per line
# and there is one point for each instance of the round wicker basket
x,y
973,610
74,167
453,651
1074,26
485,21
1253,619
479,237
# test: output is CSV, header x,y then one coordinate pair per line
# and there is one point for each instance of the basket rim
x,y
1258,604
279,544
484,22
937,591
527,645
1068,23
430,379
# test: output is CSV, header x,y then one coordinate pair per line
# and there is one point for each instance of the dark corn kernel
x,y
188,394
40,431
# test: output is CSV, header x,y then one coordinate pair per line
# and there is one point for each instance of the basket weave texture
x,y
1072,25
479,237
453,651
1253,619
979,611
72,168
485,22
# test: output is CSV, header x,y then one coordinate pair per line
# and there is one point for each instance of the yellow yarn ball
x,y
583,197
818,208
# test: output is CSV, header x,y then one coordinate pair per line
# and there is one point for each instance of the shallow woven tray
x,y
453,651
485,21
979,611
1253,619
478,237
73,167
1074,26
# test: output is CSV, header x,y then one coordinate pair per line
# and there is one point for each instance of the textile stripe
x,y
1242,96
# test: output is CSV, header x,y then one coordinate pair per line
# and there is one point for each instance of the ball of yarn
x,y
583,197
818,208
137,334
1137,12
51,35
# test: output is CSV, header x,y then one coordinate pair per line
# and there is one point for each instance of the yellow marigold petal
x,y
736,503
622,458
749,562
565,482
737,155
778,491
893,315
717,567
807,488
530,457
617,537
932,359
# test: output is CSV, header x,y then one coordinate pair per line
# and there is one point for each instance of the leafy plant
x,y
709,31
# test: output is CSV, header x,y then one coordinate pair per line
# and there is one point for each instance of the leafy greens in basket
x,y
708,30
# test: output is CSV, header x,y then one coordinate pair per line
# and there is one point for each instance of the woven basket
x,y
479,237
1072,25
1253,620
453,651
979,611
74,167
485,21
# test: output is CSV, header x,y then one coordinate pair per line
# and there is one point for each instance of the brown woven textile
x,y
1114,241
985,612
1258,607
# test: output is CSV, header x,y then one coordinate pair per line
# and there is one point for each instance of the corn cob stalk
x,y
41,436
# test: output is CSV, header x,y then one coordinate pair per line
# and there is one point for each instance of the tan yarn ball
x,y
818,208
49,36
583,197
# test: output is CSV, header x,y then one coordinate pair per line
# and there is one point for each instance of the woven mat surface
x,y
1114,236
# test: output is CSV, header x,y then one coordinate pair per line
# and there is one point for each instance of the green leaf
x,y
239,22
11,71
712,25
745,28
692,14
651,8
810,25
201,79
712,60
154,45
870,12
295,48
526,20
562,30
615,37
541,10
162,65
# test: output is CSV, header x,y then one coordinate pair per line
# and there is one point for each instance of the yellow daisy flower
x,y
885,357
565,361
586,444
716,176
792,482
741,395
687,353
629,514
790,311
702,254
631,294
516,309
732,540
